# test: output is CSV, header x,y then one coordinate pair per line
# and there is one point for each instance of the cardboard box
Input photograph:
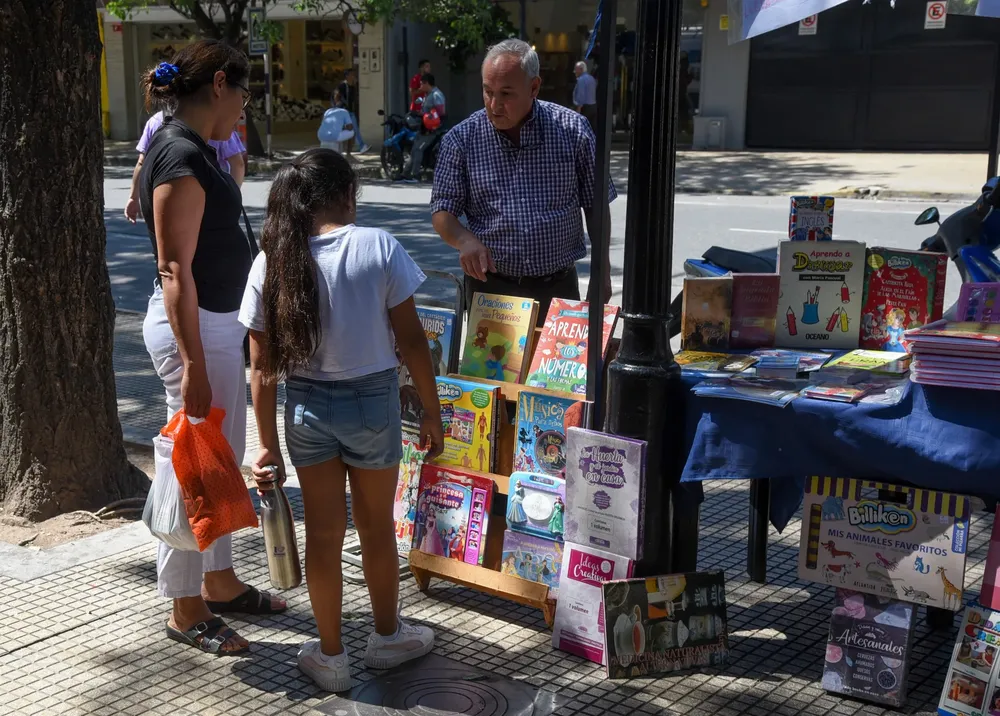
x,y
970,687
868,653
909,546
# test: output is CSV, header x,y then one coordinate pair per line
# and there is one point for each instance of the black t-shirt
x,y
223,256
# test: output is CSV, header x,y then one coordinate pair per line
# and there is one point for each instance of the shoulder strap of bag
x,y
254,248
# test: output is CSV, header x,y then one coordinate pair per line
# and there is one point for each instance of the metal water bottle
x,y
279,536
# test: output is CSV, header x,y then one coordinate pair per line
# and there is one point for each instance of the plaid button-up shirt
x,y
522,202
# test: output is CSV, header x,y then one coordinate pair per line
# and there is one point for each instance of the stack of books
x,y
960,355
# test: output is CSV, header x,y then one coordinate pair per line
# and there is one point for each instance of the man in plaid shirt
x,y
520,171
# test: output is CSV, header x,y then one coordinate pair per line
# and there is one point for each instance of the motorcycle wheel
x,y
393,162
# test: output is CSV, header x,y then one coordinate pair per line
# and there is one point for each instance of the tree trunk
x,y
60,440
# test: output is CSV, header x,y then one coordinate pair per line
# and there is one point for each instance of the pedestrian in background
x,y
417,81
192,330
585,94
520,171
326,303
231,155
433,113
346,97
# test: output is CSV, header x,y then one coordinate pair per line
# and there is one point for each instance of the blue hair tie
x,y
165,74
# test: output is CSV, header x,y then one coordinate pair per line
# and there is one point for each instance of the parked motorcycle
x,y
969,237
400,133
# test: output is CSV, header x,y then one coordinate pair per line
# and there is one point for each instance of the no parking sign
x,y
937,15
808,25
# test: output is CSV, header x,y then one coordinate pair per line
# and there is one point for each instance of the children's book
x,y
453,512
972,683
977,303
868,652
811,218
533,558
498,337
706,313
755,308
822,285
661,624
470,415
536,505
541,425
605,492
579,623
404,509
975,340
838,393
560,360
809,361
903,290
770,391
782,367
702,362
887,362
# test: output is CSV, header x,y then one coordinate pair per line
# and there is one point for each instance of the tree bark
x,y
60,440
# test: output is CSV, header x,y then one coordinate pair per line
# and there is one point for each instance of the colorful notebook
x,y
903,290
662,624
452,515
498,336
811,218
822,285
560,360
541,425
470,414
605,492
706,313
755,307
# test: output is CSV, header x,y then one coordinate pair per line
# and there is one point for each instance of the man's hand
x,y
475,258
606,290
132,210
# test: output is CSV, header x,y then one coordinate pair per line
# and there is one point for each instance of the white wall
x,y
371,82
725,73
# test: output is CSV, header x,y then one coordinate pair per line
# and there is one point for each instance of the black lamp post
x,y
645,393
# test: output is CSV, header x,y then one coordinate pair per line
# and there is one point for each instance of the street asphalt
x,y
739,222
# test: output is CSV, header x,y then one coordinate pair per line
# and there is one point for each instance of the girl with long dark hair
x,y
325,303
191,330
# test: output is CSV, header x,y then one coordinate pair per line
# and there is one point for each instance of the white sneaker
x,y
409,642
331,673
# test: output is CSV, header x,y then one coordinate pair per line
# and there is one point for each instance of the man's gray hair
x,y
581,65
519,49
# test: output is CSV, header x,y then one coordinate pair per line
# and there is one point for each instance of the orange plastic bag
x,y
216,498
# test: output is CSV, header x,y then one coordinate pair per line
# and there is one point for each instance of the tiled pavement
x,y
87,640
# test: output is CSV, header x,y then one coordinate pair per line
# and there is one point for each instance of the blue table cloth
x,y
936,438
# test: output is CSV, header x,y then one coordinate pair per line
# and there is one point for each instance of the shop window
x,y
329,52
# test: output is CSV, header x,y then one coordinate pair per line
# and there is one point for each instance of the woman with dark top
x,y
192,332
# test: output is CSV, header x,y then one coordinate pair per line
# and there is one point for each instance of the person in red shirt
x,y
417,79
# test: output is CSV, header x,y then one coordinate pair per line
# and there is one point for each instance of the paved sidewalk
x,y
926,175
87,639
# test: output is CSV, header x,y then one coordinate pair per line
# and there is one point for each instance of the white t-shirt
x,y
361,273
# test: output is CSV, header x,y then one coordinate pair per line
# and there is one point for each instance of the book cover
x,y
605,492
706,362
786,367
453,512
957,333
404,508
871,360
903,290
536,505
498,336
868,652
532,558
811,218
977,303
560,360
755,308
809,361
706,313
541,425
469,414
822,284
838,393
579,623
770,391
971,685
662,624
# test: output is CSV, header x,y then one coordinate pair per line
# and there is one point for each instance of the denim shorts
x,y
356,420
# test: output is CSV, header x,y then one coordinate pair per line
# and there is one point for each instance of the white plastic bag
x,y
164,513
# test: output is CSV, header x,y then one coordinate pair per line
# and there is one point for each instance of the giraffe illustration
x,y
952,594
